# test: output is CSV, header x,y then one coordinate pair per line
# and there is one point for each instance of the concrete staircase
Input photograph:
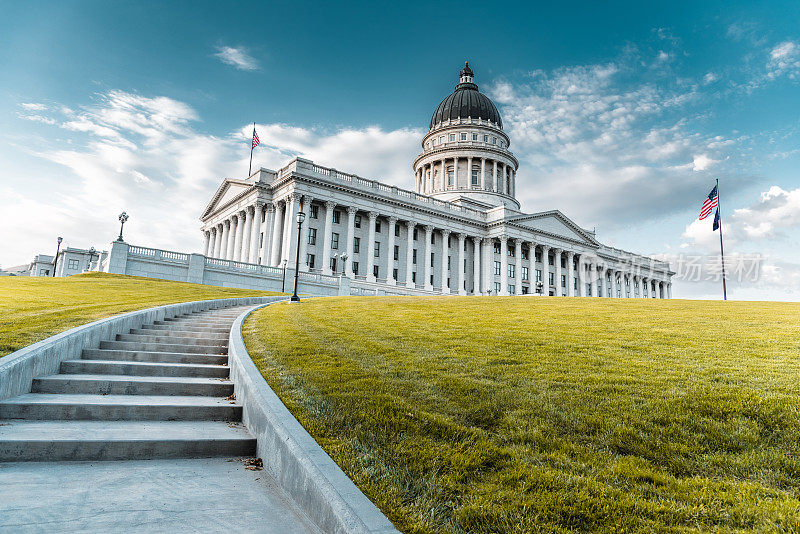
x,y
160,391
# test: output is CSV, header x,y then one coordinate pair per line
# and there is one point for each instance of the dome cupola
x,y
466,102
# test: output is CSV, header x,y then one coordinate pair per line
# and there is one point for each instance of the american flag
x,y
710,203
255,139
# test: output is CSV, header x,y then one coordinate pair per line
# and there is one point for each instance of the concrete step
x,y
48,441
201,322
107,367
188,329
162,347
43,406
181,334
132,385
154,356
200,339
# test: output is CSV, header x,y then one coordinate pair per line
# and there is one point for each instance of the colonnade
x,y
494,175
266,233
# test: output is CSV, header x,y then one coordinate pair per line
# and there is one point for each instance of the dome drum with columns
x,y
460,230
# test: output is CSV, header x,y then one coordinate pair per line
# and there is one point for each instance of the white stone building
x,y
460,231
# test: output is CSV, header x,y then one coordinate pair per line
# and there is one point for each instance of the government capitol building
x,y
460,230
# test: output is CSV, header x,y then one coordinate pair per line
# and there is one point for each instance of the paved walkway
x,y
155,400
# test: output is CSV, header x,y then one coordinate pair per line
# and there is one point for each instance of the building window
x,y
434,142
433,257
525,290
312,236
476,170
394,274
485,138
525,253
550,260
575,284
452,137
356,244
310,261
414,277
433,238
335,241
378,226
355,267
314,212
511,252
474,137
333,265
449,259
551,279
511,271
539,256
494,140
512,290
358,221
496,247
396,253
463,136
397,230
450,175
45,272
441,139
375,271
377,249
524,273
497,287
538,275
465,264
337,216
563,262
564,281
415,234
414,257
72,264
497,268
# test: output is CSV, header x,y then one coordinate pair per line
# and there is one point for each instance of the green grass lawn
x,y
473,414
33,308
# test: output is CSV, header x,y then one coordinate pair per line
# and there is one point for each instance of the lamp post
x,y
283,284
55,260
301,216
123,218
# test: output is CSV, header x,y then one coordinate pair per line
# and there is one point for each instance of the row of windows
x,y
464,136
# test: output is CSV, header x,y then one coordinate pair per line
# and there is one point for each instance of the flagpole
x,y
250,169
721,250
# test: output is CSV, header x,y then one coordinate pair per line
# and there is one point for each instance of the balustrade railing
x,y
158,254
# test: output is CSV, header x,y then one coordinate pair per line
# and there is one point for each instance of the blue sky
x,y
621,115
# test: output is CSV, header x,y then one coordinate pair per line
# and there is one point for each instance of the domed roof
x,y
466,101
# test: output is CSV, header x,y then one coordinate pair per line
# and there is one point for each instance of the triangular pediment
x,y
227,191
554,223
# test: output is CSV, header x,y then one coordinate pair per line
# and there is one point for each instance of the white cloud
x,y
776,210
702,162
238,57
33,106
784,59
709,78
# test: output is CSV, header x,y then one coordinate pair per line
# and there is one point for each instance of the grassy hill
x,y
549,414
34,308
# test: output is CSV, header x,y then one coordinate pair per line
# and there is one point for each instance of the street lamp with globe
x,y
301,216
123,218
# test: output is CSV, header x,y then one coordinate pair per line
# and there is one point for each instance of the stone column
x,y
217,240
460,258
443,177
557,262
373,216
445,254
206,241
476,265
643,288
592,278
327,232
545,270
351,234
494,175
303,236
483,173
410,254
258,211
488,265
237,247
504,265
266,247
247,232
290,238
669,290
518,266
469,172
390,252
455,173
570,274
232,237
276,249
581,277
427,258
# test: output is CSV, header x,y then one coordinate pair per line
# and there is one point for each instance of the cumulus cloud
x,y
33,106
237,57
784,60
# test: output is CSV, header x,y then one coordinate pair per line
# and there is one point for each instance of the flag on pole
x,y
716,221
711,202
256,141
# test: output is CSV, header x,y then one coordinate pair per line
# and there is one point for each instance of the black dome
x,y
466,101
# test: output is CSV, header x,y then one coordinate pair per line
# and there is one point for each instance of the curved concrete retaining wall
x,y
292,456
18,369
